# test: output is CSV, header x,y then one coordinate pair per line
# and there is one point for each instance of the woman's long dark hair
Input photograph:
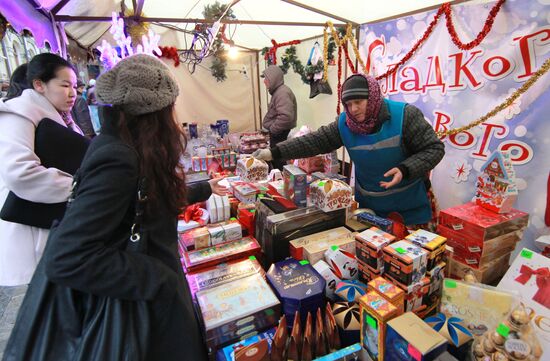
x,y
18,82
160,143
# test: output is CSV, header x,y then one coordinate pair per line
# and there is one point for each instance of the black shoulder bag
x,y
60,323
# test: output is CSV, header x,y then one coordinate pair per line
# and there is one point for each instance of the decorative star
x,y
462,171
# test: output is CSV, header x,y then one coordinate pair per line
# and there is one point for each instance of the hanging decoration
x,y
270,54
170,52
110,56
507,102
3,26
218,12
136,29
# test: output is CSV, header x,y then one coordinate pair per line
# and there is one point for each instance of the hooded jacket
x,y
281,113
21,172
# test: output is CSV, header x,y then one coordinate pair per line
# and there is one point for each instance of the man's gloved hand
x,y
263,154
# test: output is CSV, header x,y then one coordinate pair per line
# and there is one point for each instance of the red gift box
x,y
246,219
480,224
312,164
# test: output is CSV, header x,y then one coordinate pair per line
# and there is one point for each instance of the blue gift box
x,y
298,286
383,223
228,353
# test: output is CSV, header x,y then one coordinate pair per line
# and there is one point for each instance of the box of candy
x,y
405,262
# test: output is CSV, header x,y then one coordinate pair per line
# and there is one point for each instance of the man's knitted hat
x,y
355,87
139,84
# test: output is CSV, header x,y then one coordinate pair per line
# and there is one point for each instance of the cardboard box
x,y
343,262
383,223
486,274
226,317
329,195
330,277
200,236
297,245
350,290
252,170
390,292
480,224
405,262
295,181
224,232
376,311
436,276
311,164
245,192
367,274
496,185
475,253
315,251
228,352
431,242
481,307
371,242
410,338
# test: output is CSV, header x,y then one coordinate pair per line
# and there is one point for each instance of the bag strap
x,y
136,230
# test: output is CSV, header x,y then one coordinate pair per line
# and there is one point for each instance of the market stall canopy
x,y
258,21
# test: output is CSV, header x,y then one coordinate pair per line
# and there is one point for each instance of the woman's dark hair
x,y
159,142
45,66
18,82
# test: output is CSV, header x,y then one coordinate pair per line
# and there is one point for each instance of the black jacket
x,y
84,255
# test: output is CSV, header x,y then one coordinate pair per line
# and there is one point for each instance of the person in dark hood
x,y
281,111
391,144
81,113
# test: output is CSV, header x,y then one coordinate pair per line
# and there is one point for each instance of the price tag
x,y
525,253
450,283
304,262
372,322
400,250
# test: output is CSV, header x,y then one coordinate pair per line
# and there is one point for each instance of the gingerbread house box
x,y
496,187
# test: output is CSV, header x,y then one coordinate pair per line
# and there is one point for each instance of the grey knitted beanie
x,y
139,84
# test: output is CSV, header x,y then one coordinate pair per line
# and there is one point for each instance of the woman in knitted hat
x,y
116,247
391,144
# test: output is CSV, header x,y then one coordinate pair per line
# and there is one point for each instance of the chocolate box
x,y
366,274
329,195
383,223
224,232
245,192
297,245
486,274
431,242
350,290
480,224
206,257
376,311
475,253
298,285
228,352
392,293
348,319
410,338
252,170
436,276
371,242
295,184
315,251
405,262
236,308
311,164
223,273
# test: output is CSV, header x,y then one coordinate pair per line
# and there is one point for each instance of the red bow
x,y
543,283
193,213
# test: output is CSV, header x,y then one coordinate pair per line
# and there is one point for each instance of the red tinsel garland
x,y
272,52
339,79
348,59
482,34
170,52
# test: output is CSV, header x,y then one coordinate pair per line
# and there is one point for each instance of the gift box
x,y
252,170
476,253
246,218
454,330
342,262
376,311
228,352
330,277
436,276
218,208
328,175
374,221
311,164
431,242
350,290
348,319
275,231
481,307
315,251
370,245
410,338
200,237
366,274
496,185
480,224
245,192
295,181
299,287
350,353
206,257
223,273
405,262
236,308
297,245
329,195
390,292
529,276
487,274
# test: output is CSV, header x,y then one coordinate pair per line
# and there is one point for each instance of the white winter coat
x,y
21,172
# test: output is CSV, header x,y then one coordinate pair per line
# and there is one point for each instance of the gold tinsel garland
x,y
528,84
339,42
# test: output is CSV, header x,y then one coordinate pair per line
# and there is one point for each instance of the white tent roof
x,y
248,35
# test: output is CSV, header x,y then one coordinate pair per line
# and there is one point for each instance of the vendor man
x,y
391,144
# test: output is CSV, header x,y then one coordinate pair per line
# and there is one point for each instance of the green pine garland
x,y
214,12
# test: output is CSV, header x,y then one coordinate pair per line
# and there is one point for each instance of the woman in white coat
x,y
52,94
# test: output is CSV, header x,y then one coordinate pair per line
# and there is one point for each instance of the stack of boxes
x,y
370,256
481,241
